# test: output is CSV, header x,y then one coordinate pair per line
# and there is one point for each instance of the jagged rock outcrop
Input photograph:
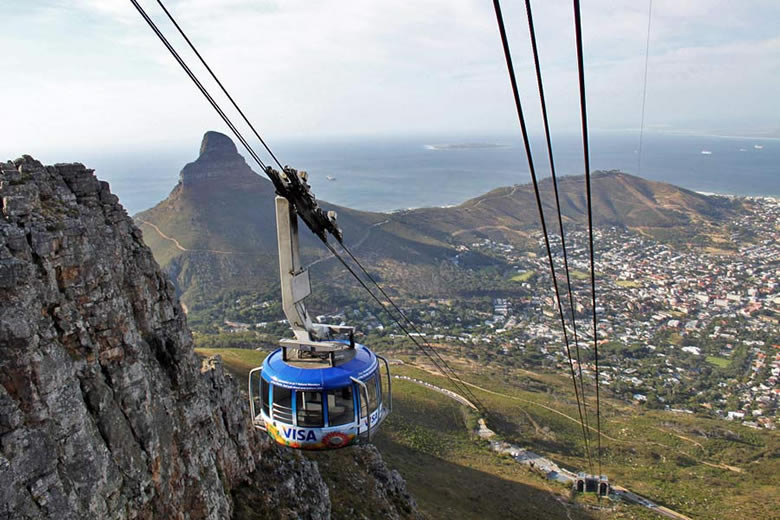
x,y
215,230
218,158
105,410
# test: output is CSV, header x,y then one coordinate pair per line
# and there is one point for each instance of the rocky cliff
x,y
216,230
105,410
218,158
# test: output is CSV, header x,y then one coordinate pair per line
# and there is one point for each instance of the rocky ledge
x,y
105,410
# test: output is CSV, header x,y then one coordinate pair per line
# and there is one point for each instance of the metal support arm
x,y
295,280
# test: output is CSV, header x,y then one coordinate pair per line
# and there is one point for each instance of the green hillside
x,y
699,467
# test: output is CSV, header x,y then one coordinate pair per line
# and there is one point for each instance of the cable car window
x,y
341,408
373,395
309,409
265,397
282,404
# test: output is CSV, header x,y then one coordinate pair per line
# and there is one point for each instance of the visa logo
x,y
295,434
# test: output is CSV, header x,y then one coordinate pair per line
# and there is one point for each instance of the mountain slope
x,y
216,230
619,199
217,227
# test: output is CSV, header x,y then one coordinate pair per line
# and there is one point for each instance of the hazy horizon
x,y
374,173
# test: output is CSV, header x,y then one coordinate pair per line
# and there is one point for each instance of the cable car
x,y
319,390
320,402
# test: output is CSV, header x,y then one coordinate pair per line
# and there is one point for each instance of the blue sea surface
x,y
385,174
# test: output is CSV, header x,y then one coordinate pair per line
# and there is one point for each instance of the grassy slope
x,y
677,460
523,277
451,474
719,361
237,360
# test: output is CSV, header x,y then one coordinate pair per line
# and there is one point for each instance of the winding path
x,y
182,248
354,246
163,235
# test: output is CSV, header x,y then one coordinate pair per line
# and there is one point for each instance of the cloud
x,y
328,67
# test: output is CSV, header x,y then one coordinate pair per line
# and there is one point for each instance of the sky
x,y
89,74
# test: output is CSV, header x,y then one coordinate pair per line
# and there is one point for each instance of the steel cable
x,y
529,156
204,91
644,91
206,65
409,321
586,155
460,387
543,102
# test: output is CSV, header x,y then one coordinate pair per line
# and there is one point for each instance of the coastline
x,y
733,196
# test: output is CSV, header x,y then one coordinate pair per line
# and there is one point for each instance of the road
x,y
537,462
182,248
628,496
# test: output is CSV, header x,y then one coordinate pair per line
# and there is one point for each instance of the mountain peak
x,y
218,161
215,143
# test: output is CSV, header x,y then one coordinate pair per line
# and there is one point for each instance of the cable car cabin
x,y
592,484
317,392
318,400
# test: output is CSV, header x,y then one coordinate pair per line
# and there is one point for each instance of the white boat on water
x,y
758,146
706,152
330,177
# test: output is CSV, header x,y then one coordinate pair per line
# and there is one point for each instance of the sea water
x,y
386,174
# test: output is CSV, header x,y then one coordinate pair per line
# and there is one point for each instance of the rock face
x,y
218,159
105,411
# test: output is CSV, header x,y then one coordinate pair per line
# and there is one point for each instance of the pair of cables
x,y
432,354
579,389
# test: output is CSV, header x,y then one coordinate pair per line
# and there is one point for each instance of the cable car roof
x,y
284,374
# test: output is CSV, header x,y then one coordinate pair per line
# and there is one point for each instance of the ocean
x,y
386,174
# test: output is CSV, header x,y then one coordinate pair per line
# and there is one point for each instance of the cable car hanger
x,y
317,391
310,216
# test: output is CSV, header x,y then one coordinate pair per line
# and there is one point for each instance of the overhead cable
x,y
276,181
455,382
586,155
409,322
644,90
214,76
540,86
529,156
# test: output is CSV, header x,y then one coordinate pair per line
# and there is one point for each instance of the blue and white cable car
x,y
316,392
316,404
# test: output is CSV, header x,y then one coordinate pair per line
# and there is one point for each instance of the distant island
x,y
464,146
